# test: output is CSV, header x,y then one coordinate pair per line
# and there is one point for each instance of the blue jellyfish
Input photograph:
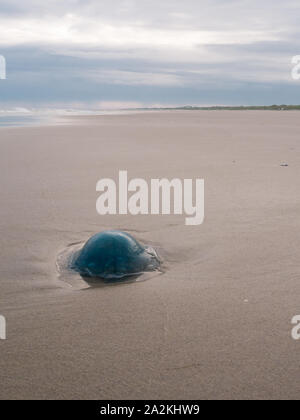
x,y
113,255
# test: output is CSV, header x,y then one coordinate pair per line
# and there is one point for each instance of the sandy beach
x,y
217,323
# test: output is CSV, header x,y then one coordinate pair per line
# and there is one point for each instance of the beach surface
x,y
217,323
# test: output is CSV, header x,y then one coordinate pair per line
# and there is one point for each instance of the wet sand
x,y
217,323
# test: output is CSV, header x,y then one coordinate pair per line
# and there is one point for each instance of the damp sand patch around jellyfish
x,y
107,258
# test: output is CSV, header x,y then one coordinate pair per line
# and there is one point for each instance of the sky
x,y
91,54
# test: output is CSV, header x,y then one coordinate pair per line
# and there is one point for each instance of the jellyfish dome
x,y
114,255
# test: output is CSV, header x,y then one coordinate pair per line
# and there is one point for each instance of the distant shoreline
x,y
226,108
41,119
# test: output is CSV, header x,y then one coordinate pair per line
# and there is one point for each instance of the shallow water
x,y
23,121
53,118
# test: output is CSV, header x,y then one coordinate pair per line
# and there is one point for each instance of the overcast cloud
x,y
89,53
